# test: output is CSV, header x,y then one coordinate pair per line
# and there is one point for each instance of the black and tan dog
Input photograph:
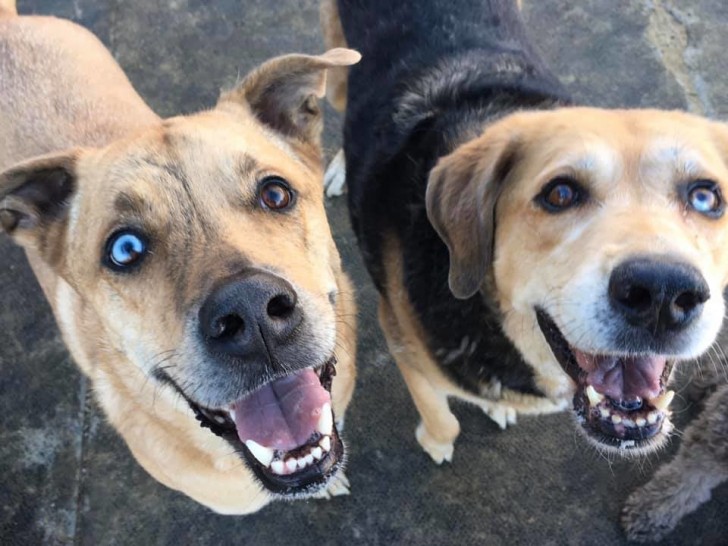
x,y
527,254
188,261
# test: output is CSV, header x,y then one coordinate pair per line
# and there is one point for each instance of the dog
x,y
529,254
188,261
701,464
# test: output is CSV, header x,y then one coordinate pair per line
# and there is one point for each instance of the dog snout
x,y
658,294
250,315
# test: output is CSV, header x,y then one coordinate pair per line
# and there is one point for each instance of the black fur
x,y
433,75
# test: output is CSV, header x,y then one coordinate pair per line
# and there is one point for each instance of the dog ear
x,y
462,193
283,93
35,196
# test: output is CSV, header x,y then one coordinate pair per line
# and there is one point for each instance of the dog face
x,y
203,248
601,235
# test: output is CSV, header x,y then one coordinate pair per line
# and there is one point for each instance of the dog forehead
x,y
643,145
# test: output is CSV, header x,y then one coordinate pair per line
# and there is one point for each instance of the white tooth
x,y
628,423
652,417
317,453
308,458
291,464
662,402
326,421
278,467
262,453
301,462
325,443
641,421
594,397
616,419
232,414
604,412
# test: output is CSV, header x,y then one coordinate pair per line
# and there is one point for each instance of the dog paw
x,y
338,486
439,452
645,519
335,176
501,414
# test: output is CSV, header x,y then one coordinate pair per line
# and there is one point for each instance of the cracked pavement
x,y
66,478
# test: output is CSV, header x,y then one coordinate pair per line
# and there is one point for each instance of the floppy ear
x,y
34,199
283,93
462,192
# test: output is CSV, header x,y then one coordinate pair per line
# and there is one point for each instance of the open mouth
x,y
285,430
620,400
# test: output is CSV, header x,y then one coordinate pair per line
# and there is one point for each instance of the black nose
x,y
658,293
249,315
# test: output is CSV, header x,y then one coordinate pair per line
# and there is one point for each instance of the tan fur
x,y
7,7
427,384
191,181
336,85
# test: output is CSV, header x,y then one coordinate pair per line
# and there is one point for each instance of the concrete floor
x,y
65,477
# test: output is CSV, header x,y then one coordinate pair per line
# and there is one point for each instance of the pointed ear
x,y
283,93
462,193
35,196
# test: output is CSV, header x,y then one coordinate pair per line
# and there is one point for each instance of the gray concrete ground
x,y
65,477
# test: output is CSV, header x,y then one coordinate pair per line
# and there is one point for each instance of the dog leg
x,y
336,90
439,428
335,176
336,79
681,486
7,7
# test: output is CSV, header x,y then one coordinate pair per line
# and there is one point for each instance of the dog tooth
x,y
628,423
301,463
616,419
594,397
325,443
604,412
262,453
291,464
278,467
652,417
326,421
317,453
662,402
232,414
308,458
641,421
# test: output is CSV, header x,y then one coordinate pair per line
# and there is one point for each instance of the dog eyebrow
x,y
126,203
247,167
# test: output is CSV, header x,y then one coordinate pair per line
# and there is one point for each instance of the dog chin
x,y
612,421
285,432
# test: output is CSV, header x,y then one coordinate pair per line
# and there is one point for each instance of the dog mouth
x,y
284,431
621,400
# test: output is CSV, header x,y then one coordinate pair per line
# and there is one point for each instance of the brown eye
x,y
275,194
704,197
560,194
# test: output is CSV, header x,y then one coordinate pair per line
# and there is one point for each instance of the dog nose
x,y
658,294
249,315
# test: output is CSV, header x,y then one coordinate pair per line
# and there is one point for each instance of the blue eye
x,y
704,197
125,249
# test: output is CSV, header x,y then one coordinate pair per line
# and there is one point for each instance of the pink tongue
x,y
282,414
625,377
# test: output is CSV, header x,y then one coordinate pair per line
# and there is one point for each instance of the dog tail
x,y
7,7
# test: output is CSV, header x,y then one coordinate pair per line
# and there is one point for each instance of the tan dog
x,y
527,255
188,261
